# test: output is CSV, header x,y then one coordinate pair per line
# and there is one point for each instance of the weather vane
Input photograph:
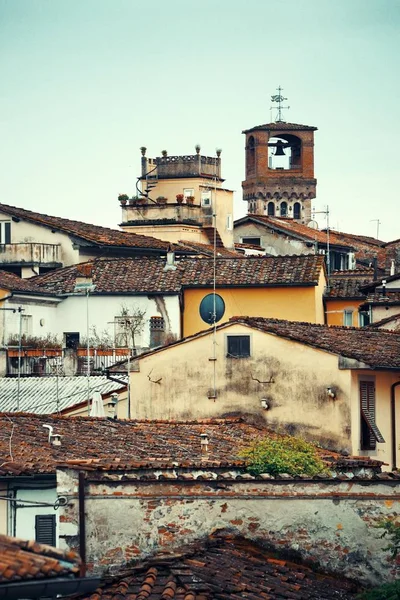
x,y
279,99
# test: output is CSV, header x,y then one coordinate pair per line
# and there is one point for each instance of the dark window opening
x,y
251,155
364,318
45,529
283,209
5,232
71,339
238,346
254,241
297,210
271,209
370,433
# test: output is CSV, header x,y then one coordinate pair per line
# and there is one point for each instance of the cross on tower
x,y
279,99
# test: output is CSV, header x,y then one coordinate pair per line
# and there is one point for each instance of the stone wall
x,y
132,515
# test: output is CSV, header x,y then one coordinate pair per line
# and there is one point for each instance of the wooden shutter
x,y
7,232
45,529
370,433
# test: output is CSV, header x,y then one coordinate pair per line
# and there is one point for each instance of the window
x,y
5,232
205,198
283,209
255,241
348,318
271,209
370,433
364,318
229,222
45,529
26,325
251,155
188,192
238,346
297,210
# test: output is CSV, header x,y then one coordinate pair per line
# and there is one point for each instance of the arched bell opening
x,y
271,209
251,156
284,209
297,210
284,152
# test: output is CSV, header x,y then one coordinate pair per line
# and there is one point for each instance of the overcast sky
x,y
85,83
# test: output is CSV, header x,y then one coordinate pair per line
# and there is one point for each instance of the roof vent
x,y
54,438
204,443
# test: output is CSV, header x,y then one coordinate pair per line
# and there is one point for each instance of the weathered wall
x,y
333,524
294,304
297,396
335,311
275,244
383,312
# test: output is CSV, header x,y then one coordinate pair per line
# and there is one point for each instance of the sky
x,y
85,83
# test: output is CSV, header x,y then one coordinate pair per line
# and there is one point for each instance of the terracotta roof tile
x,y
206,249
227,568
348,285
379,349
13,283
146,274
282,126
99,236
26,560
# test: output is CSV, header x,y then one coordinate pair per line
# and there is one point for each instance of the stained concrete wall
x,y
332,524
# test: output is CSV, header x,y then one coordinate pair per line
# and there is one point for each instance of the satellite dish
x,y
313,225
206,308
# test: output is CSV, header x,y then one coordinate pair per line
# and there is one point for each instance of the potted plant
x,y
164,153
133,200
179,198
123,198
143,150
189,199
161,200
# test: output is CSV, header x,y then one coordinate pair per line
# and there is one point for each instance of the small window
x,y
284,210
238,346
348,318
271,209
229,222
205,198
370,433
297,210
364,318
45,529
26,325
188,192
5,232
255,241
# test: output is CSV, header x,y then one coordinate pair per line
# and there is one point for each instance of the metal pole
x,y
19,354
328,258
128,391
88,351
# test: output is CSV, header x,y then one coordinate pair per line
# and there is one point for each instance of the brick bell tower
x,y
280,168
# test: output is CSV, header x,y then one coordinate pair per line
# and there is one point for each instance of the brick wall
x,y
130,516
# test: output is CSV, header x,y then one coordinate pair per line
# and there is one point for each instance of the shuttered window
x,y
370,433
45,529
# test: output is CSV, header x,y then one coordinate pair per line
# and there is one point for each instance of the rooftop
x,y
43,395
227,568
146,274
347,286
282,126
95,234
13,283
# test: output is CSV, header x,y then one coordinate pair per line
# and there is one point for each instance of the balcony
x,y
167,213
30,254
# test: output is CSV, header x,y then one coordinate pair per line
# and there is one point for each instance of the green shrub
x,y
392,530
388,591
283,455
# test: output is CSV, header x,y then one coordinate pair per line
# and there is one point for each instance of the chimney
x,y
204,444
112,406
54,438
383,287
392,268
170,264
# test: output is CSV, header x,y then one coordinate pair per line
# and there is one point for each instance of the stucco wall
x,y
332,524
293,303
297,396
275,244
43,319
383,312
335,311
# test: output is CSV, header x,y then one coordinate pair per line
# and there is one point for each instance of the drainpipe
x,y
82,522
393,422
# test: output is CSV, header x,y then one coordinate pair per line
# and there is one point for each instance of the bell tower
x,y
280,168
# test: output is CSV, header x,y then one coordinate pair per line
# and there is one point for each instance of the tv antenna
x,y
279,99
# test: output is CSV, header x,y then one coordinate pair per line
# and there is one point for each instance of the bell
x,y
279,151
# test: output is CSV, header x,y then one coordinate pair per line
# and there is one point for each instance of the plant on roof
x,y
99,340
391,529
161,200
387,591
123,197
286,454
32,341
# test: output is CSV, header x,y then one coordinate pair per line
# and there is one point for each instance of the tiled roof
x,y
298,230
366,249
43,395
282,126
97,235
379,349
348,285
206,249
392,319
146,274
225,568
22,560
389,297
103,444
13,283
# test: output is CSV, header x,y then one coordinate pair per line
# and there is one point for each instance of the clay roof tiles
x,y
227,568
22,560
13,283
282,126
102,236
347,286
147,274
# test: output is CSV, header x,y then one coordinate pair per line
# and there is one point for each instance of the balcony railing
x,y
30,253
36,362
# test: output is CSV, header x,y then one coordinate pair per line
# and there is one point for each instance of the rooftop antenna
x,y
377,221
279,99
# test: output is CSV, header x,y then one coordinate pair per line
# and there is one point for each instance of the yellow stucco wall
x,y
335,311
294,304
297,394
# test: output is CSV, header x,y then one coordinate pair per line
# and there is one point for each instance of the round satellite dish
x,y
312,224
206,308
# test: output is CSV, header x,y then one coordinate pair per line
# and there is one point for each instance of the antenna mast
x,y
279,99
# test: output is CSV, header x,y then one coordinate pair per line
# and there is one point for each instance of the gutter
x,y
393,422
58,586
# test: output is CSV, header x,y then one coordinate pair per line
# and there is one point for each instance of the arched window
x,y
251,155
271,209
297,210
283,209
